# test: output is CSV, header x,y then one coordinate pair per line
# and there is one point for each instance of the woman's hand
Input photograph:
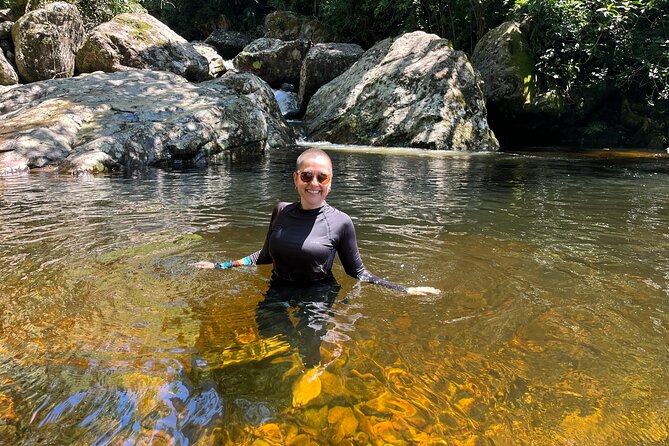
x,y
422,290
203,264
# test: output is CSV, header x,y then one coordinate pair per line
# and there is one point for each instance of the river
x,y
552,325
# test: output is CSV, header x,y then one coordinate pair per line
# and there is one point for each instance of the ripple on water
x,y
551,325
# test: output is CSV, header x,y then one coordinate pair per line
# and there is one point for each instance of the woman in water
x,y
303,237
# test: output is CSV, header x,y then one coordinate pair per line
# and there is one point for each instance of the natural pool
x,y
552,327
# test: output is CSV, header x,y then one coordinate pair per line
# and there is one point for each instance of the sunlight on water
x,y
552,327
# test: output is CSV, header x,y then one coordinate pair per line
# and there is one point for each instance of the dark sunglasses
x,y
307,177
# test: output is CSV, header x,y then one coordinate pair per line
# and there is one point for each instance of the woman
x,y
304,236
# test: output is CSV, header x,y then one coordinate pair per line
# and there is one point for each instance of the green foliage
x,y
583,44
95,12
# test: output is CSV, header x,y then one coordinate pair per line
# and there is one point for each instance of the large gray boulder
x,y
104,121
228,43
412,91
46,41
140,41
273,60
8,74
324,62
517,111
503,58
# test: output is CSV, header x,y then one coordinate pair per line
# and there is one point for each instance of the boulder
x,y
216,62
228,43
324,62
518,112
104,121
251,87
503,58
46,41
409,91
140,41
8,74
285,25
273,60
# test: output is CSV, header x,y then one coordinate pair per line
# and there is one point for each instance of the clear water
x,y
552,327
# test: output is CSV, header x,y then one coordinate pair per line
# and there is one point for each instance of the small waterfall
x,y
287,99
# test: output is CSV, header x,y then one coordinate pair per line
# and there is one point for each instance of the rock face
x,y
103,121
8,75
517,112
46,41
324,62
273,60
228,43
140,41
502,57
413,90
286,25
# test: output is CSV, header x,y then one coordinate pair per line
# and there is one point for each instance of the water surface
x,y
551,328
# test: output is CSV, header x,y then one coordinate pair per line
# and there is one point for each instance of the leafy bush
x,y
592,43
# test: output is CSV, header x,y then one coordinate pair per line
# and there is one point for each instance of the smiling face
x,y
311,168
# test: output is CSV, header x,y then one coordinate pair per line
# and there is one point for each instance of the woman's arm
x,y
349,255
248,260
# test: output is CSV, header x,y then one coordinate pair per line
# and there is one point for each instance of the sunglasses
x,y
307,177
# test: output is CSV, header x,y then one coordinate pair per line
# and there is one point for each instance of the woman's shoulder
x,y
281,205
335,213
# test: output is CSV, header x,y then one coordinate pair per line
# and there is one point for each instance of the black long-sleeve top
x,y
301,245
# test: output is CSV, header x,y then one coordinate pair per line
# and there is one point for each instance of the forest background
x,y
581,49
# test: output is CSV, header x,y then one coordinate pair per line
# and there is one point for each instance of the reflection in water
x,y
298,313
552,328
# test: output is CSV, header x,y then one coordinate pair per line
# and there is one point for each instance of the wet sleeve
x,y
349,255
261,257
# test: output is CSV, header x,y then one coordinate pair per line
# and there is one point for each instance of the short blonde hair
x,y
312,153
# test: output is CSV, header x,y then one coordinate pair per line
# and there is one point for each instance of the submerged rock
x,y
413,91
140,41
104,121
46,41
